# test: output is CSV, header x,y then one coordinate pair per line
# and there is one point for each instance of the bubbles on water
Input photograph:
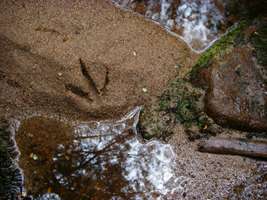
x,y
49,196
198,22
149,169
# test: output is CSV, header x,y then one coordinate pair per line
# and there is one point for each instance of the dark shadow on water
x,y
54,160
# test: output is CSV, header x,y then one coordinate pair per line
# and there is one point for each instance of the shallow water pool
x,y
95,160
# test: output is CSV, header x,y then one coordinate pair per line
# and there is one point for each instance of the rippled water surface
x,y
198,22
96,160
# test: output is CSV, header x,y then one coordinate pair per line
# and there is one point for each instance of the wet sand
x,y
130,60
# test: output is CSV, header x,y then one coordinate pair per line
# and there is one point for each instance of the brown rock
x,y
237,94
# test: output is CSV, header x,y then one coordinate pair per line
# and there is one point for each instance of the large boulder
x,y
237,93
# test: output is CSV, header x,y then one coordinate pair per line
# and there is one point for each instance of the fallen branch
x,y
235,147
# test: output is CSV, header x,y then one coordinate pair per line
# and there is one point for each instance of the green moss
x,y
152,124
163,104
183,101
218,47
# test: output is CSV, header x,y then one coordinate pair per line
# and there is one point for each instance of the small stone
x,y
49,190
134,53
59,74
205,127
23,194
34,66
54,159
65,39
34,156
177,66
144,90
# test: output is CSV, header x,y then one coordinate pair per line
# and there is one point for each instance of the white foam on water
x,y
197,21
49,196
164,12
149,168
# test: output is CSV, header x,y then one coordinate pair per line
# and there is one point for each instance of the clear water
x,y
197,22
108,160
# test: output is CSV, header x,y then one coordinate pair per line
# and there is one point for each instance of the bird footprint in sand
x,y
96,75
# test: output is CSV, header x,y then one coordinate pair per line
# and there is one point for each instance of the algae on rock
x,y
180,103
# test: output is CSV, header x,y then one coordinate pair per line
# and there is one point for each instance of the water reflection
x,y
102,160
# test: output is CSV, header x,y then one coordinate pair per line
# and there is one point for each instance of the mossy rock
x,y
154,123
218,72
221,46
184,102
181,103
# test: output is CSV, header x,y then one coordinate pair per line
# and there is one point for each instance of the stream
x,y
98,160
198,22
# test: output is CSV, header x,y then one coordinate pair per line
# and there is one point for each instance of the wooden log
x,y
242,147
